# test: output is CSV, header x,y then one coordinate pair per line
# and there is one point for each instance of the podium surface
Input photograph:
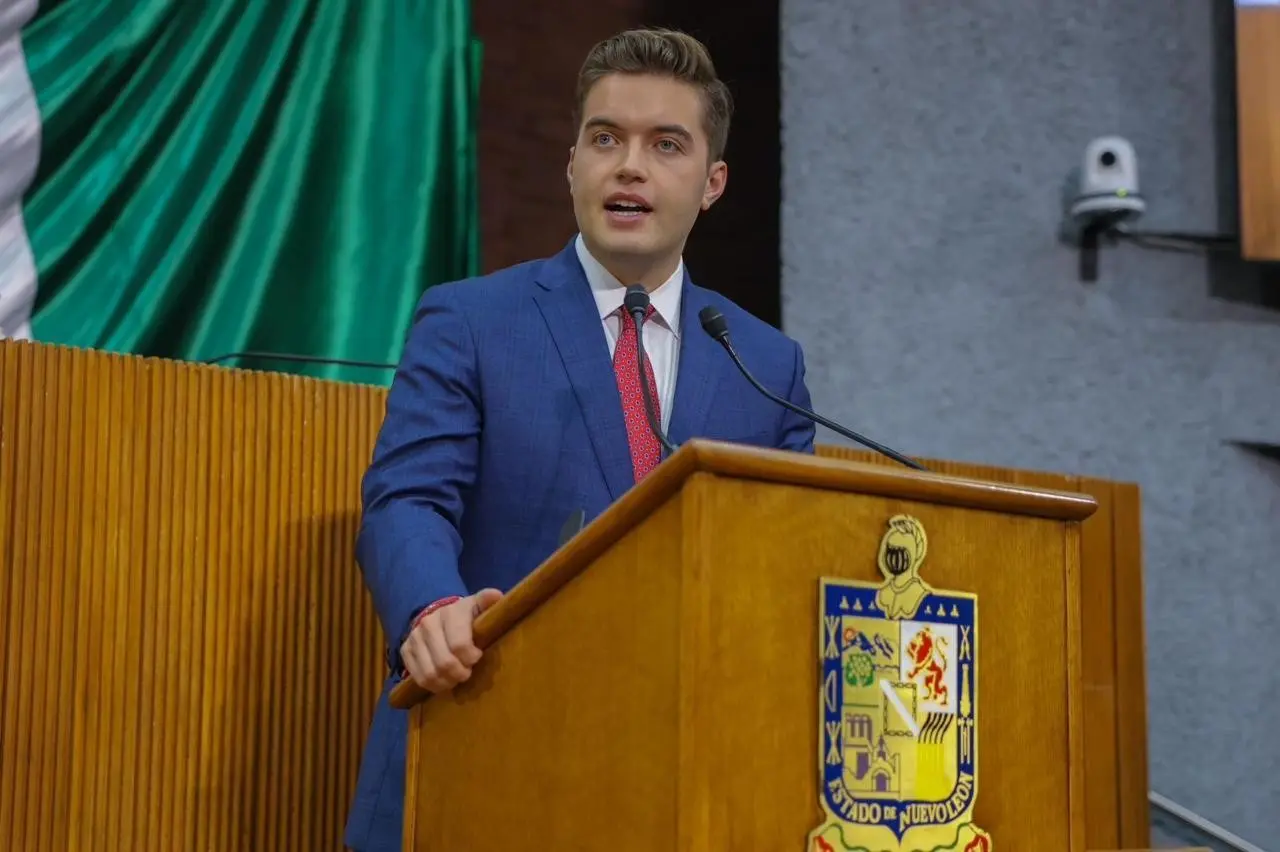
x,y
761,650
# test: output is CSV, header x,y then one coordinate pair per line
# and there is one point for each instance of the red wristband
x,y
432,607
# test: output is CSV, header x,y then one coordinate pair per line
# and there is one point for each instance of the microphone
x,y
637,303
714,324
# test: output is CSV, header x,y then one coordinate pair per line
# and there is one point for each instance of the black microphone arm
x,y
637,302
714,324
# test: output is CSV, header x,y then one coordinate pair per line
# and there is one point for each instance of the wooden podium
x,y
712,666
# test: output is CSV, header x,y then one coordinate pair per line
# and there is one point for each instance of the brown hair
x,y
668,53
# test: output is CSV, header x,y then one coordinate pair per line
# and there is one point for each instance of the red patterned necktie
x,y
646,452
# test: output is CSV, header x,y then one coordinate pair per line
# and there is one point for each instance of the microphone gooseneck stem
x,y
817,418
637,317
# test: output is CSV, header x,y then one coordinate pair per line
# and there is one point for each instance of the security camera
x,y
1108,189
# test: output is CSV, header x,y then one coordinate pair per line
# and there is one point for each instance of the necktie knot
x,y
626,315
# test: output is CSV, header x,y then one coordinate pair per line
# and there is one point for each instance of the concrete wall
x,y
924,150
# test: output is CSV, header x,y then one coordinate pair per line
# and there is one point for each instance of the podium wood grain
x,y
1114,646
667,697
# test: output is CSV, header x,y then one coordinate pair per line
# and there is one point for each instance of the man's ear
x,y
717,178
568,171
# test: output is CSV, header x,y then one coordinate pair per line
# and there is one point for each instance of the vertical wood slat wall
x,y
188,657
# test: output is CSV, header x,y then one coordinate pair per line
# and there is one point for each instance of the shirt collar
x,y
608,290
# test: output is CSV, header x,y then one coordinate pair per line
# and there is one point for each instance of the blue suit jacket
x,y
504,419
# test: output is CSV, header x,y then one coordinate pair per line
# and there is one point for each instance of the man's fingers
x,y
458,636
484,599
448,666
436,684
417,662
441,651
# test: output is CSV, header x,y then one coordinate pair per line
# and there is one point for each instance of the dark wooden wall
x,y
532,52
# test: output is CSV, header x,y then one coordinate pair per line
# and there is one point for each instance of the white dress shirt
x,y
661,332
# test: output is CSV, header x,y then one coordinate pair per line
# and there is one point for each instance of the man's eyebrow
x,y
675,130
672,129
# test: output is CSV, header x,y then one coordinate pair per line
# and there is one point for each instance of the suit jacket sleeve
x,y
424,461
798,432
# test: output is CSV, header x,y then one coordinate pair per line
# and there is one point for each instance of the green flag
x,y
191,179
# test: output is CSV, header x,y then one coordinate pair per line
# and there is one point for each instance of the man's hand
x,y
439,653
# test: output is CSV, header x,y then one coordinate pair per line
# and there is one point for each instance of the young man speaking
x,y
518,399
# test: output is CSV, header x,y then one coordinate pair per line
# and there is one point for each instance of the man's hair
x,y
666,53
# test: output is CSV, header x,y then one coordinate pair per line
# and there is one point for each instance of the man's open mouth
x,y
627,207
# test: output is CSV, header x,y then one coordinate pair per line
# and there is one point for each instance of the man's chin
x,y
627,244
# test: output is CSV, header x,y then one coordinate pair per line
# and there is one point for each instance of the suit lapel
x,y
567,306
702,366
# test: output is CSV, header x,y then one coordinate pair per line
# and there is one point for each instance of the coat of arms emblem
x,y
898,747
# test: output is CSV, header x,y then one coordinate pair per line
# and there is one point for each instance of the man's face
x,y
639,173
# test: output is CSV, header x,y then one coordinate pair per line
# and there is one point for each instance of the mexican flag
x,y
192,179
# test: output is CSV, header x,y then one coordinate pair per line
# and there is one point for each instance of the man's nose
x,y
633,165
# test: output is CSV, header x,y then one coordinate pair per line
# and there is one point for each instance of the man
x,y
508,413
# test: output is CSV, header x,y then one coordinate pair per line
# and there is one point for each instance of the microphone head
x,y
636,300
714,323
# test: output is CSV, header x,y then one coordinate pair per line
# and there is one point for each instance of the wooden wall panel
x,y
1115,708
188,659
532,53
1133,789
1258,119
